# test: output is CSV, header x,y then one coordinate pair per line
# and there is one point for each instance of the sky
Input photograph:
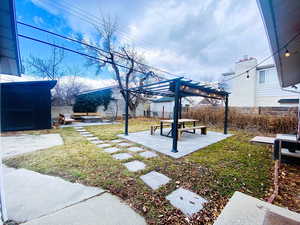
x,y
199,39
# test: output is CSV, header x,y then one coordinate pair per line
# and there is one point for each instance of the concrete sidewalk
x,y
20,144
33,198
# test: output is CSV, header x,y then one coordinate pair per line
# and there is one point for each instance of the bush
x,y
264,123
90,101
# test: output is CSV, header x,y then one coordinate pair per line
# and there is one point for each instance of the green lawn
x,y
214,172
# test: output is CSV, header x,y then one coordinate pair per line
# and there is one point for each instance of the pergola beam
x,y
177,88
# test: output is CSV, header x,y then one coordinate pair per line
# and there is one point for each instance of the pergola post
x,y
180,108
175,116
126,111
226,115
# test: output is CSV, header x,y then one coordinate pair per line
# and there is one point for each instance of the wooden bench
x,y
65,119
93,114
153,128
203,130
77,116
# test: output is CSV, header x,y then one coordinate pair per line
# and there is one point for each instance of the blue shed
x,y
26,105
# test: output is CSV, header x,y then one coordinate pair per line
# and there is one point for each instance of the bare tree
x,y
66,90
124,60
49,68
68,85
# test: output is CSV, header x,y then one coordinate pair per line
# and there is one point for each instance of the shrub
x,y
90,101
264,123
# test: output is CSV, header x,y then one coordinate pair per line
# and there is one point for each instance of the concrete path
x,y
46,200
104,210
15,145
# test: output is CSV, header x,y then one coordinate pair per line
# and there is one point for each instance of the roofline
x,y
265,67
99,89
228,74
167,100
50,83
15,33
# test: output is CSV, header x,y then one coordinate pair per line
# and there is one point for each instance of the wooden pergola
x,y
178,88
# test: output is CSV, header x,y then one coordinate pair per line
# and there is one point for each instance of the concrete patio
x,y
187,144
20,144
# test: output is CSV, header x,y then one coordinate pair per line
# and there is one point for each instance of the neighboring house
x,y
116,106
163,107
258,88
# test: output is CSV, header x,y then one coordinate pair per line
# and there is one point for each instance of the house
x,y
281,19
163,107
258,88
116,106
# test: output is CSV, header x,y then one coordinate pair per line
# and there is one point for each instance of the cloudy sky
x,y
197,38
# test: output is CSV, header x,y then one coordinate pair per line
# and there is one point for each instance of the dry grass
x,y
214,172
254,122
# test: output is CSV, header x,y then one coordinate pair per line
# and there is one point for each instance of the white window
x,y
262,77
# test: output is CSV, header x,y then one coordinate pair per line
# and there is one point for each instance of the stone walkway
x,y
36,199
185,200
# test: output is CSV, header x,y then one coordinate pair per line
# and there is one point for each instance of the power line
x,y
95,47
87,17
77,52
265,59
93,20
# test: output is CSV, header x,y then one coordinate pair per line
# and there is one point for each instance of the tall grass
x,y
263,123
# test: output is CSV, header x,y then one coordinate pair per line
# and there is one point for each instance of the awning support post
x,y
175,116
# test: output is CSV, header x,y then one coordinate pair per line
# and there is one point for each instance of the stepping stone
x,y
112,150
148,154
103,145
87,135
155,180
92,138
124,144
81,130
85,132
188,202
135,149
122,156
97,142
116,141
135,165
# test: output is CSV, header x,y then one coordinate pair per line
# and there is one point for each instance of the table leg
x,y
194,124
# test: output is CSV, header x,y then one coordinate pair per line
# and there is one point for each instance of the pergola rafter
x,y
178,88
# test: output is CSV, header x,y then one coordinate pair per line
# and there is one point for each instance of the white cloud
x,y
198,38
38,20
90,83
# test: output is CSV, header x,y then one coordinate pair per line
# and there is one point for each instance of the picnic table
x,y
181,124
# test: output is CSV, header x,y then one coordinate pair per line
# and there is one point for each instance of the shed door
x,y
19,110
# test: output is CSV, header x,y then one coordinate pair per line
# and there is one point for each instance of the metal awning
x,y
9,49
282,23
187,88
177,88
